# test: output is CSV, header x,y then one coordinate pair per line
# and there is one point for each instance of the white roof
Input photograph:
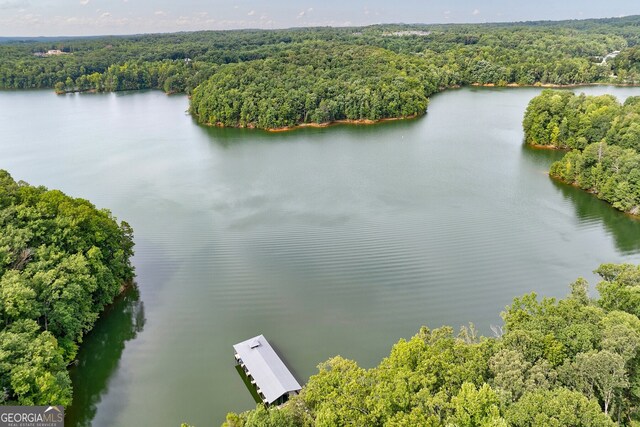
x,y
267,369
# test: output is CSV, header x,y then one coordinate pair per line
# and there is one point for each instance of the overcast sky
x,y
94,17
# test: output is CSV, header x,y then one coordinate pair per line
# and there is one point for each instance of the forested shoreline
x,y
571,361
603,136
319,84
62,261
297,80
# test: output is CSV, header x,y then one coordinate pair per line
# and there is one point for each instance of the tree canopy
x,y
604,136
316,83
61,262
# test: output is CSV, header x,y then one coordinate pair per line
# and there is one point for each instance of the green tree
x,y
556,408
61,262
599,374
32,366
17,298
476,407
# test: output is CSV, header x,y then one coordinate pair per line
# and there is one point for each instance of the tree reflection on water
x,y
100,354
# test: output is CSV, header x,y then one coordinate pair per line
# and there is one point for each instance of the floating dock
x,y
272,379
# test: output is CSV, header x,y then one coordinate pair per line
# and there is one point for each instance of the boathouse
x,y
267,372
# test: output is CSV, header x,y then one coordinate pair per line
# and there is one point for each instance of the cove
x,y
328,241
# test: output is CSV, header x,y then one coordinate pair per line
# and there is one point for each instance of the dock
x,y
273,381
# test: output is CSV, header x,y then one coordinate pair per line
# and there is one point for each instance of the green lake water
x,y
328,241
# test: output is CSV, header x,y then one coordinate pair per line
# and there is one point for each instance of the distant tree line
x,y
437,56
526,53
171,76
61,262
568,362
604,137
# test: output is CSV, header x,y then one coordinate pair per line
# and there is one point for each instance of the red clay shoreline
x,y
340,122
321,125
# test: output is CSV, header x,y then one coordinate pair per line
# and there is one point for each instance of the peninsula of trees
x,y
280,78
604,137
61,262
318,83
569,362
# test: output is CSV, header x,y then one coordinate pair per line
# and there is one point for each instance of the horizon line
x,y
302,27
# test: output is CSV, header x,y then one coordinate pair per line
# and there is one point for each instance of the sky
x,y
101,17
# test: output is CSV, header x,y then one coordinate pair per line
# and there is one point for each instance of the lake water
x,y
329,241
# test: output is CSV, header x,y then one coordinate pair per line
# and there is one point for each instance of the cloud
x,y
105,15
475,12
300,15
84,2
13,4
159,12
251,13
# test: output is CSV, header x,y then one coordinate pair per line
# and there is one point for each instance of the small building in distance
x,y
407,33
267,372
50,52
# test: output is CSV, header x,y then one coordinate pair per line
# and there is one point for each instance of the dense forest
x,y
604,137
61,262
568,362
316,84
275,66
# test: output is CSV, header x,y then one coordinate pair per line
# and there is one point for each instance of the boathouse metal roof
x,y
267,369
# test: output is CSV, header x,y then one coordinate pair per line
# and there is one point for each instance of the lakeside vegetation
x,y
556,362
319,83
572,361
61,262
604,137
281,78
